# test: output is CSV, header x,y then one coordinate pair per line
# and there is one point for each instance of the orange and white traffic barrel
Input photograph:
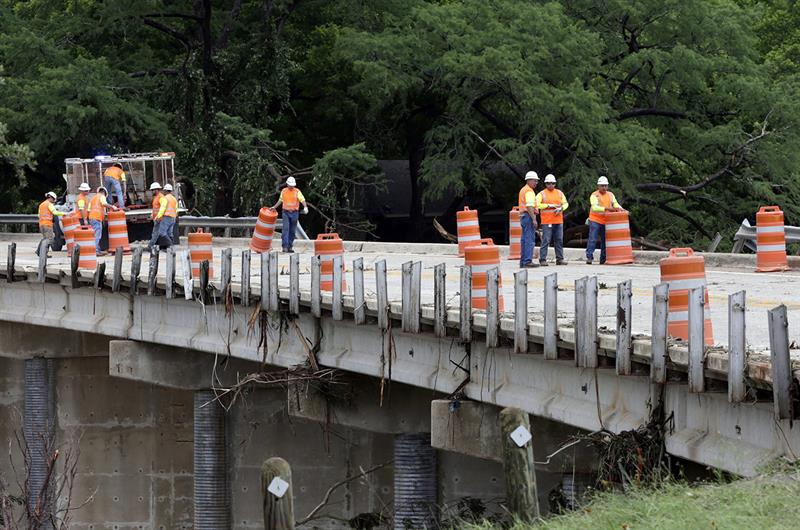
x,y
514,234
118,232
618,239
264,230
682,271
327,247
200,249
481,257
468,229
69,223
770,240
84,237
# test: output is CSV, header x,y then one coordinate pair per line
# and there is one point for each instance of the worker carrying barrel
x,y
155,187
527,219
97,214
82,204
47,210
290,201
115,180
601,201
164,220
552,203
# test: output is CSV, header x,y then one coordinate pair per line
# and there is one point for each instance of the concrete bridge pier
x,y
415,481
212,502
39,425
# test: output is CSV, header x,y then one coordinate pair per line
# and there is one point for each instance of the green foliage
x,y
14,160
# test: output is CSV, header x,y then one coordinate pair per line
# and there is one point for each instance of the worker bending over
x,y
290,201
527,219
82,204
47,210
551,204
165,217
155,187
114,179
97,214
602,201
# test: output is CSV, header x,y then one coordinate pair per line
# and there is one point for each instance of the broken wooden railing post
x,y
782,385
492,307
74,264
99,279
152,275
440,300
465,304
359,307
411,286
658,339
204,278
186,270
264,302
624,337
551,316
136,265
586,322
274,294
169,272
226,272
382,294
737,347
697,339
116,280
294,284
316,291
337,311
520,479
521,311
244,295
44,248
276,489
11,261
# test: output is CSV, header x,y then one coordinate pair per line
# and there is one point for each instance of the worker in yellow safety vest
x,y
551,204
165,217
601,201
82,204
97,214
526,201
290,201
47,211
115,180
155,188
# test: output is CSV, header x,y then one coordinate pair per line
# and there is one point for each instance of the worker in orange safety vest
x,y
115,180
291,200
551,204
82,204
526,201
601,201
47,211
97,214
166,216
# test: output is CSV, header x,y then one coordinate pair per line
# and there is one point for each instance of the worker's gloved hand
x,y
305,209
558,210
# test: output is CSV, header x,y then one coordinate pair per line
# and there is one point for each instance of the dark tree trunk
x,y
416,216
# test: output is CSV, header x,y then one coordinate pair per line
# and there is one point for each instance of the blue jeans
x,y
97,226
528,239
289,227
114,187
165,226
154,235
596,232
554,233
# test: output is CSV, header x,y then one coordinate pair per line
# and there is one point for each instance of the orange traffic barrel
x,y
618,239
68,225
200,250
682,271
265,228
327,247
770,240
118,232
469,231
514,234
84,237
481,257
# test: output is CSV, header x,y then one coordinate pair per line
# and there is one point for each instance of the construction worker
x,y
97,213
47,210
82,204
166,215
551,204
155,187
290,200
602,201
527,218
115,180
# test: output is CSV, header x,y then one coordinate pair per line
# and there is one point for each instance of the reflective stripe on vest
x,y
289,197
549,217
96,209
606,200
172,206
521,199
45,215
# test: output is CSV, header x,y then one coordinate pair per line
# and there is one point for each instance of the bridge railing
x,y
745,237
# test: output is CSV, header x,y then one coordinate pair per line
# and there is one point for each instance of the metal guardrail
x,y
185,221
746,236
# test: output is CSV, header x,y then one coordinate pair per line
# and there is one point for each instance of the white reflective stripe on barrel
x,y
199,248
682,285
262,237
769,229
327,257
116,223
618,226
467,223
772,248
515,240
326,277
265,225
483,269
479,293
469,238
624,243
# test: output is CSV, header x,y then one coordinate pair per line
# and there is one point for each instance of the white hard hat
x,y
550,178
602,181
51,195
84,186
167,187
291,182
531,175
155,186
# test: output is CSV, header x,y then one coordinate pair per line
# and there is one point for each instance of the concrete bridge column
x,y
415,484
212,501
39,430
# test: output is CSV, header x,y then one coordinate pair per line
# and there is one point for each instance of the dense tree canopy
x,y
689,107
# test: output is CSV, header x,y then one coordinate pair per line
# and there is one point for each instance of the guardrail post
x,y
359,307
658,344
586,322
11,261
100,275
226,272
521,311
136,266
204,273
382,294
169,271
440,300
316,292
116,281
696,339
411,284
551,316
336,292
492,307
294,284
274,293
465,304
737,347
74,263
152,275
264,302
43,249
245,292
186,270
624,339
782,387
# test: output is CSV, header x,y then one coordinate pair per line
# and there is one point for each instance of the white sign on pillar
x,y
521,436
278,487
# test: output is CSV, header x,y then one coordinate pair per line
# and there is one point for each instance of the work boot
x,y
531,265
588,261
285,250
561,262
543,264
102,253
290,251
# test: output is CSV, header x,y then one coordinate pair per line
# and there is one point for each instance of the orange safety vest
x,y
290,200
606,200
96,209
549,217
156,204
45,215
522,202
85,199
114,172
172,206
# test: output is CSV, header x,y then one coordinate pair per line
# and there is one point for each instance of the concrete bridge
x,y
146,366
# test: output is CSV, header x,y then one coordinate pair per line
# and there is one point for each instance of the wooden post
x,y
551,316
521,492
411,283
245,291
73,266
11,261
658,343
152,274
382,294
264,302
492,307
465,304
624,338
586,322
274,294
226,272
169,271
136,265
521,311
100,275
359,306
294,284
316,291
696,339
278,504
737,347
580,318
204,298
440,300
336,293
44,248
116,281
782,391
188,282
